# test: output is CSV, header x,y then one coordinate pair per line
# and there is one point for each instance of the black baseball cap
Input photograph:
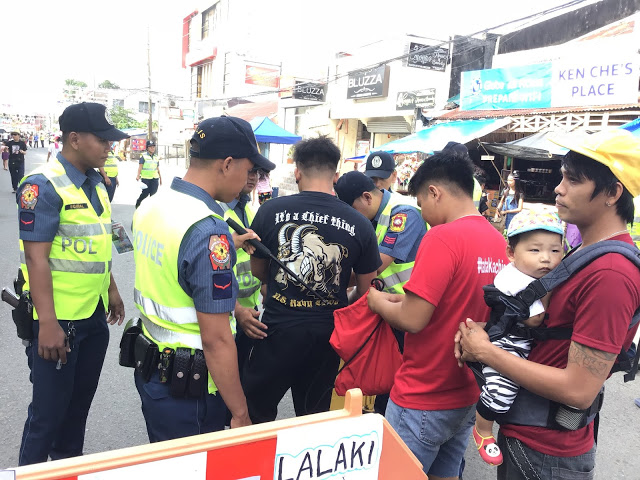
x,y
456,147
222,137
380,164
351,185
151,143
92,118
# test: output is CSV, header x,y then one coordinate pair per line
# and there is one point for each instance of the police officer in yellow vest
x,y
246,313
399,226
110,174
185,287
65,240
149,172
635,228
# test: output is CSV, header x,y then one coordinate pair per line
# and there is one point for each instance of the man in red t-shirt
x,y
600,176
432,404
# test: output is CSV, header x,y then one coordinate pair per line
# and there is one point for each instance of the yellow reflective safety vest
x,y
80,257
111,165
168,314
150,166
396,274
249,286
635,229
477,193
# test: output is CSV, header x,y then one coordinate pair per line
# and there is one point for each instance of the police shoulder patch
x,y
27,221
222,285
219,252
29,196
398,222
389,240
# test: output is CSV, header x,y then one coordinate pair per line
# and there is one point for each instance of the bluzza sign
x,y
309,91
369,83
561,83
427,57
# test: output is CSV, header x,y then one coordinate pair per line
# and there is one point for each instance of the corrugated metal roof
x,y
458,114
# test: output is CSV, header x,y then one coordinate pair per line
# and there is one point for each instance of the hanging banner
x,y
369,83
504,88
567,82
421,99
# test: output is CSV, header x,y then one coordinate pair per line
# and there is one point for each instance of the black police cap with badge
x,y
92,118
380,165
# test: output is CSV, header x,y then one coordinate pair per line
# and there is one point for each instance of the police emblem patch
x,y
398,222
29,197
376,162
219,252
107,116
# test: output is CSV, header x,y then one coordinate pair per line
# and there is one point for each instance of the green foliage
x,y
109,84
75,83
122,118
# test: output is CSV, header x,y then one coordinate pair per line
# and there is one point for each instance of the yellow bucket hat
x,y
618,149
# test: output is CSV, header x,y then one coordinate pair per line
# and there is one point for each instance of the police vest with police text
x,y
80,256
168,314
150,166
396,274
249,290
111,165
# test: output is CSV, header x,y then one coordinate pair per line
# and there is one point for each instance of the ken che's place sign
x,y
347,449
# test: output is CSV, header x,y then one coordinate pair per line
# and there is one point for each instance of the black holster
x,y
146,357
23,317
132,329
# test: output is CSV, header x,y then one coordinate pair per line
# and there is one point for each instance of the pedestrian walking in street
x,y
36,138
323,240
17,148
563,378
511,201
65,233
149,172
5,156
432,403
185,288
30,140
42,137
55,147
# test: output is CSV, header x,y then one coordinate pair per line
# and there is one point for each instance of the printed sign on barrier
x,y
347,449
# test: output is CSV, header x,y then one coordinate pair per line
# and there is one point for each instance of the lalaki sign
x,y
347,449
369,83
561,83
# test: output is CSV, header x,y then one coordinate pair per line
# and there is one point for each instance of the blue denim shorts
x,y
438,438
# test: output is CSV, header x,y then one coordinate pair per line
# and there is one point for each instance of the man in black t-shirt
x,y
17,149
322,240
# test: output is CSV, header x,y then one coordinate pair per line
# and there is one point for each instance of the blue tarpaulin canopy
x,y
268,132
633,127
437,136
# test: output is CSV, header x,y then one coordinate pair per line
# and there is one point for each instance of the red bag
x,y
368,347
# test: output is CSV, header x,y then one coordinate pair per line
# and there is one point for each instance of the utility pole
x,y
150,127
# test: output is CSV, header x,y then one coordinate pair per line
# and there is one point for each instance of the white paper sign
x,y
346,449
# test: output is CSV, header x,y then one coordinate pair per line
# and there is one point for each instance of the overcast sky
x,y
46,42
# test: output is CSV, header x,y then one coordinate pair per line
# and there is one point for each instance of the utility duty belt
x,y
185,373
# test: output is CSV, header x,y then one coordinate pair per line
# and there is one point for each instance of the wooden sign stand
x,y
241,453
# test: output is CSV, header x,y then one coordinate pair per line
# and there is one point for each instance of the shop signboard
x,y
262,76
427,57
417,99
310,91
567,82
595,81
506,88
370,83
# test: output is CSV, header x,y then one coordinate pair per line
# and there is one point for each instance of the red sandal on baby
x,y
487,448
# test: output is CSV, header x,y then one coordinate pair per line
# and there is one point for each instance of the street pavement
x,y
116,421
